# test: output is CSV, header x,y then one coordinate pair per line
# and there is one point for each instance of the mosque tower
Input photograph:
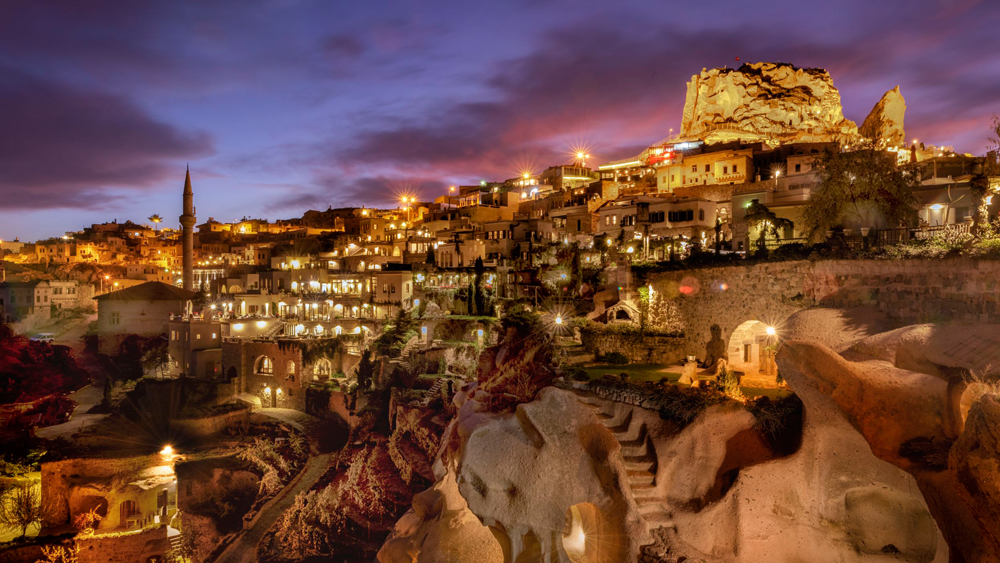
x,y
187,223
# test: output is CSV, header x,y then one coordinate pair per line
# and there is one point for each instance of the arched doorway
x,y
751,349
588,537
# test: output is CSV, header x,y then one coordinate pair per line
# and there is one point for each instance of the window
x,y
116,319
694,168
725,170
197,336
701,214
291,368
264,366
798,168
614,219
706,168
736,169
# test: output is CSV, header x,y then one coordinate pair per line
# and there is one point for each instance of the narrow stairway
x,y
639,459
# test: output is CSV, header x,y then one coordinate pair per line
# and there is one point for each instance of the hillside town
x,y
522,369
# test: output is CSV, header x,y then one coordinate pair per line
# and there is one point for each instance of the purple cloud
x,y
63,146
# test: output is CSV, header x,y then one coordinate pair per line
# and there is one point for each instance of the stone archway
x,y
749,350
587,537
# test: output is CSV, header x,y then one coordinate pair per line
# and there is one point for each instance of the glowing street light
x,y
559,320
770,331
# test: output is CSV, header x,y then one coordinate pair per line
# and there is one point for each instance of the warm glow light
x,y
558,320
167,450
770,331
261,324
937,207
238,326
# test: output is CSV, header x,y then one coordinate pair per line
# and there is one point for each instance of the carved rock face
x,y
770,102
523,473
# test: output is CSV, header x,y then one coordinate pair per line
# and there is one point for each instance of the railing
x,y
877,238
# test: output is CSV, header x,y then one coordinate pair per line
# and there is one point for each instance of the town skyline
x,y
379,103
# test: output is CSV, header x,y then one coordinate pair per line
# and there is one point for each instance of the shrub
x,y
615,358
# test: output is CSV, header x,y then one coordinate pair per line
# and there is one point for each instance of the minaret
x,y
187,223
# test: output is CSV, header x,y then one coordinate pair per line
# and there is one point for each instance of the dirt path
x,y
244,549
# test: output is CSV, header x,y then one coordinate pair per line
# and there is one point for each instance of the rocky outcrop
x,y
770,102
904,394
440,528
522,475
547,480
885,122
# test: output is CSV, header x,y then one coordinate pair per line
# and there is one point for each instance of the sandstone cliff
x,y
770,102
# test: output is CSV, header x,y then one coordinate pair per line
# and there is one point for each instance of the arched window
x,y
263,366
338,330
291,367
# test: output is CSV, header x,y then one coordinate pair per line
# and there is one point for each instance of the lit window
x,y
116,319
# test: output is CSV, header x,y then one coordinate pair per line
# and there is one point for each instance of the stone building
x,y
129,493
266,372
142,310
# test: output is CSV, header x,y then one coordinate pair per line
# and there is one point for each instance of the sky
x,y
280,106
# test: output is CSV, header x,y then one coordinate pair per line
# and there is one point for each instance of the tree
x,y
760,217
156,360
479,295
979,185
59,554
431,259
22,508
366,369
155,219
861,188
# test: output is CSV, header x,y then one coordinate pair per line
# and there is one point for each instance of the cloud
x,y
65,147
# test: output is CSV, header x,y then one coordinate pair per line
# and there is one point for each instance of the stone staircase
x,y
274,330
573,352
433,392
639,459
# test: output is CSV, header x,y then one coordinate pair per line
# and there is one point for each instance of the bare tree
x,y
21,508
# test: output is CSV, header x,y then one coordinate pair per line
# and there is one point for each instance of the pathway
x,y
244,549
86,397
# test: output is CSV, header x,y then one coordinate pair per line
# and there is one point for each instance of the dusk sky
x,y
281,106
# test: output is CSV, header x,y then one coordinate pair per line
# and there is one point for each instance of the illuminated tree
x,y
22,508
861,188
760,217
979,185
156,220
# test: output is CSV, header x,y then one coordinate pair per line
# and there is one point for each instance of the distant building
x,y
143,310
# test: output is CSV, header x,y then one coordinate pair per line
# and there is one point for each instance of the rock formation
x,y
907,392
885,122
529,476
770,102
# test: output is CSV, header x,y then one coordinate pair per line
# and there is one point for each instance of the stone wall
x,y
208,425
123,547
907,291
638,349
